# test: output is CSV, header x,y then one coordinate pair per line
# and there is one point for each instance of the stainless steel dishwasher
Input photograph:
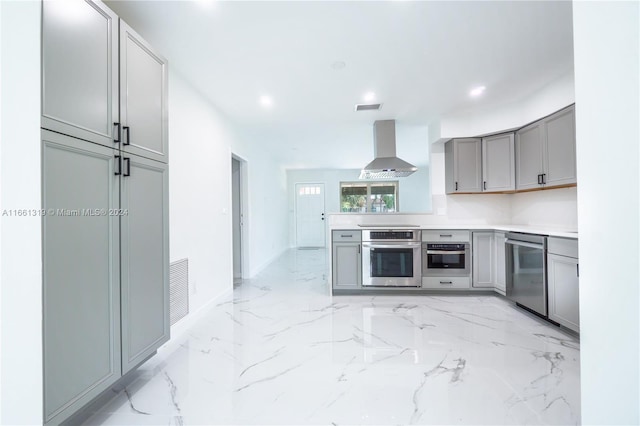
x,y
527,271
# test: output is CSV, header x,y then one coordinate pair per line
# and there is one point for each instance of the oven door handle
x,y
446,252
403,245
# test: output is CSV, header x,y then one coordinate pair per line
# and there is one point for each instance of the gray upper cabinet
x,y
463,165
529,154
80,70
143,97
560,146
145,258
81,283
498,163
546,152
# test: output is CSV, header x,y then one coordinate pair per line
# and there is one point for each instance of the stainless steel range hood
x,y
385,164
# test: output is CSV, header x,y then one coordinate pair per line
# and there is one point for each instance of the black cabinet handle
x,y
484,185
539,179
127,162
116,133
578,270
127,140
119,166
346,236
456,186
446,235
358,248
544,178
446,282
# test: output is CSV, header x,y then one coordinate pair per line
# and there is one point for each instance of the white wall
x,y
414,193
266,207
555,95
199,191
201,142
550,208
607,55
21,264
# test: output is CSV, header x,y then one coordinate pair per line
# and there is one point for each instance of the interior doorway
x,y
310,217
238,180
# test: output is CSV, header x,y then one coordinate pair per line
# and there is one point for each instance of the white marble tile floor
x,y
281,351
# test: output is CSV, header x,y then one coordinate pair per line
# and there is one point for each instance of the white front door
x,y
310,217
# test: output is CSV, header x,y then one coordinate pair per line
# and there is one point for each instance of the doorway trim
x,y
244,216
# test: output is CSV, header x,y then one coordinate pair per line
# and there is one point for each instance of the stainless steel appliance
x,y
526,258
391,258
446,259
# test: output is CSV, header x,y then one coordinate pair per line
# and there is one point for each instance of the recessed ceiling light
x,y
369,96
265,101
477,91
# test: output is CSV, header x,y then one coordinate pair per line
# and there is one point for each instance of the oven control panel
x,y
391,235
409,235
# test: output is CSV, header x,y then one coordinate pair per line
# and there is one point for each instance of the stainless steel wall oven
x,y
391,258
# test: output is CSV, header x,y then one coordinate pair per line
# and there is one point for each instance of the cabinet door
x,y
144,259
143,97
347,265
501,272
563,291
468,165
560,146
498,163
80,69
81,300
483,260
529,154
463,166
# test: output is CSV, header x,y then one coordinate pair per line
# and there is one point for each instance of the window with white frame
x,y
369,197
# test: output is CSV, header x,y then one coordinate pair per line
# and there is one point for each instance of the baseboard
x,y
185,323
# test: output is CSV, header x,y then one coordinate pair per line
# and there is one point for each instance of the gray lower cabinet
x,y
346,259
483,252
143,97
563,282
144,258
81,274
498,163
463,165
106,268
501,271
80,69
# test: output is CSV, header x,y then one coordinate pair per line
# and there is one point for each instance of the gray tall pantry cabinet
x,y
105,194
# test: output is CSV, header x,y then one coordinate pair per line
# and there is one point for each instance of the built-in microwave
x,y
446,260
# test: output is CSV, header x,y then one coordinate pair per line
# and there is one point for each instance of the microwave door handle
x,y
446,252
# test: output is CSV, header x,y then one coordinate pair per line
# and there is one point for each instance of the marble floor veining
x,y
281,351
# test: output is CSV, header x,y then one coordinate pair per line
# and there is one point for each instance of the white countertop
x,y
541,230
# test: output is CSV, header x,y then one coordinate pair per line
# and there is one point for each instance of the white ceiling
x,y
420,58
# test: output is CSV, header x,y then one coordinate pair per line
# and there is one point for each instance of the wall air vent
x,y
368,107
178,290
